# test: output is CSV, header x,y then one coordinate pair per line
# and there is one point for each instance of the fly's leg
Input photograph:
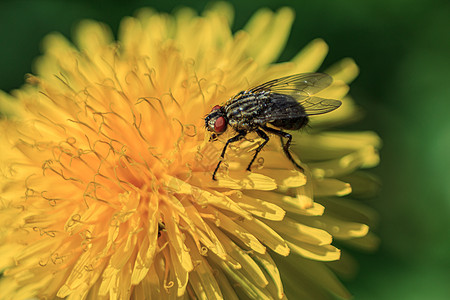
x,y
263,135
286,146
236,138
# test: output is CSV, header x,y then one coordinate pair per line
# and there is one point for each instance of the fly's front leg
x,y
263,135
236,138
286,146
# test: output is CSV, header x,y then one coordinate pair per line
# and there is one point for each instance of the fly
x,y
280,104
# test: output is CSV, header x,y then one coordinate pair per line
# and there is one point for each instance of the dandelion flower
x,y
106,188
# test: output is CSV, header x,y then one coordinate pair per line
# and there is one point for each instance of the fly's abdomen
x,y
291,123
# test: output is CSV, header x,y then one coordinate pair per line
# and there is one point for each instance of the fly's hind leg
x,y
286,145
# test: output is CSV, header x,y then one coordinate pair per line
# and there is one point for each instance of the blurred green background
x,y
403,50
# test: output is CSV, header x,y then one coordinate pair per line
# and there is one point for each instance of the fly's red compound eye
x,y
216,107
220,125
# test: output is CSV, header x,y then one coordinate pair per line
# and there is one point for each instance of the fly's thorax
x,y
242,110
242,124
246,106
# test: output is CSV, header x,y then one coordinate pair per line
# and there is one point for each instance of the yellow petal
x,y
285,178
81,275
316,274
92,36
180,268
123,252
369,242
338,228
248,267
293,230
275,286
245,236
220,15
203,197
8,252
350,210
9,286
140,269
9,106
300,204
150,286
201,278
345,70
364,184
320,253
272,157
311,56
266,235
236,180
123,284
260,207
228,291
178,249
331,187
366,157
331,145
269,32
253,291
58,50
205,233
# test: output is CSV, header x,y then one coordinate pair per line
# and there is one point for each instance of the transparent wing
x,y
303,87
317,105
305,84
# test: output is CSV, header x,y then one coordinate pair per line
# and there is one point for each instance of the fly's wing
x,y
279,107
303,87
318,106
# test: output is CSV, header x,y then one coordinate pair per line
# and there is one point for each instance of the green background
x,y
403,50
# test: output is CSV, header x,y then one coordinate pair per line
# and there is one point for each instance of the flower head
x,y
106,188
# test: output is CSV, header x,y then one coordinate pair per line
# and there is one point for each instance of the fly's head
x,y
216,121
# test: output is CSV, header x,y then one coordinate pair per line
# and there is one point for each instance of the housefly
x,y
280,104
